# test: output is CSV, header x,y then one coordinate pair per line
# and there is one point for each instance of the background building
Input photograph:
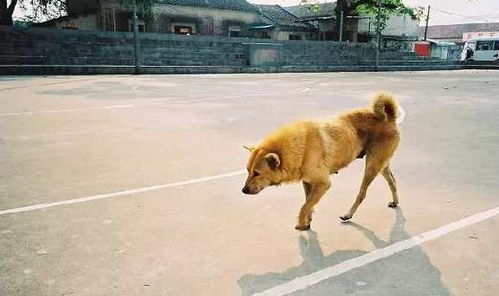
x,y
235,18
285,25
459,32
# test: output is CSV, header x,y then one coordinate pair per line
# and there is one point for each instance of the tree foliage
x,y
41,10
370,8
144,7
33,10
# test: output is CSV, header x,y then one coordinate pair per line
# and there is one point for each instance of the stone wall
x,y
44,46
326,53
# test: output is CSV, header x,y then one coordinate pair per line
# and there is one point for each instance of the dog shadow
x,y
407,273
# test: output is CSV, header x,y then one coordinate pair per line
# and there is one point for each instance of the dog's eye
x,y
256,174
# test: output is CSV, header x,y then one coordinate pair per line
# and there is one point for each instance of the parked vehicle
x,y
481,49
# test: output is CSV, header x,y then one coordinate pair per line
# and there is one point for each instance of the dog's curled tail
x,y
385,106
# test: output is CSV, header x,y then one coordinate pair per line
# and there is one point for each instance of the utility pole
x,y
378,36
136,44
426,26
341,26
369,29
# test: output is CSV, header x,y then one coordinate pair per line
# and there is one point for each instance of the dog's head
x,y
264,169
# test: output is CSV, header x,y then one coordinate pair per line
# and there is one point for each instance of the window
x,y
234,31
484,45
70,26
328,35
294,37
263,35
496,45
183,30
141,23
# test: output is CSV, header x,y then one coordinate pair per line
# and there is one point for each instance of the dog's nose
x,y
246,190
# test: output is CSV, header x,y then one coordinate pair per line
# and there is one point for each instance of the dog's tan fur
x,y
309,151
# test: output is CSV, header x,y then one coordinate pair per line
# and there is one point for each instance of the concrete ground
x,y
65,141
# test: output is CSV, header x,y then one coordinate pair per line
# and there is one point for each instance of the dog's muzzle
x,y
246,190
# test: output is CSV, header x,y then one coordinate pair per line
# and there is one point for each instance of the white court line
x,y
62,134
44,84
81,109
166,102
303,282
117,194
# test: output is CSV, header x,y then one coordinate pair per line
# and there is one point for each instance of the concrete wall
x,y
70,47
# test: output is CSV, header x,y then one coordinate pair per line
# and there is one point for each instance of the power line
x,y
460,15
497,13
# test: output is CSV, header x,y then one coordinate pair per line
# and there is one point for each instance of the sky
x,y
442,11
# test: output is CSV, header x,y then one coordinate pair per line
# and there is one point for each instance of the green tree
x,y
35,10
144,7
6,12
370,8
40,10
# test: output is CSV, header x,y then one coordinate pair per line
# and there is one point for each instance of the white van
x,y
481,49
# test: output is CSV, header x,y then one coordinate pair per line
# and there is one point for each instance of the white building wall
x,y
396,26
284,35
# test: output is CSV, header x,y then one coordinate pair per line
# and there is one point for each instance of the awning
x,y
259,26
442,43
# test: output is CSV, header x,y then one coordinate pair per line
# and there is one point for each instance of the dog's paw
x,y
346,217
392,204
302,227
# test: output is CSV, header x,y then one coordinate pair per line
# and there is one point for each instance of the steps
x,y
51,51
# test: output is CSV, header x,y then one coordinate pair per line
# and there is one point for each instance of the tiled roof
x,y
456,31
311,10
240,5
279,16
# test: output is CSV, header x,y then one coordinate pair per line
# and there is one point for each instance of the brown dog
x,y
309,151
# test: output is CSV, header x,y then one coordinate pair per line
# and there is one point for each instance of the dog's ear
x,y
273,160
249,148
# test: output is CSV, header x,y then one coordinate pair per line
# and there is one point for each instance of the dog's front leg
x,y
315,193
306,188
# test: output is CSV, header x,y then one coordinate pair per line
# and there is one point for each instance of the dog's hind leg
x,y
374,164
316,191
388,175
